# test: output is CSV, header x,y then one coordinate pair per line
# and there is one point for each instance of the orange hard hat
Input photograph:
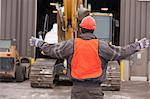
x,y
88,23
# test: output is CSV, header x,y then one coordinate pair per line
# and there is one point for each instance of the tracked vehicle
x,y
46,72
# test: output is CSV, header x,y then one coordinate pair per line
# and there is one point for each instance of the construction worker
x,y
86,56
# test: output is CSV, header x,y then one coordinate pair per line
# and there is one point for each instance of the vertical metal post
x,y
89,7
148,36
85,3
35,20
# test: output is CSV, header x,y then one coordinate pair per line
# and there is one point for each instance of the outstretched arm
x,y
112,52
60,50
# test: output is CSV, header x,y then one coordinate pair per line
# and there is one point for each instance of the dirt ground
x,y
129,90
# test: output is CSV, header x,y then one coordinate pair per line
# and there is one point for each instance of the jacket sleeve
x,y
112,52
60,50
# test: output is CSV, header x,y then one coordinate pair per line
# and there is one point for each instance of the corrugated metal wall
x,y
0,16
19,22
135,23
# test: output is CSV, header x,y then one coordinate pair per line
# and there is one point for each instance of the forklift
x,y
12,67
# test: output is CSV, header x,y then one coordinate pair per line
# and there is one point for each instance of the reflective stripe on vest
x,y
86,62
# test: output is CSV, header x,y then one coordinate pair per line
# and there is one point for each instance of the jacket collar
x,y
87,36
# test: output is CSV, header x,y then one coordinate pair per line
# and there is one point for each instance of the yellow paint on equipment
x,y
32,61
65,71
69,34
122,69
70,17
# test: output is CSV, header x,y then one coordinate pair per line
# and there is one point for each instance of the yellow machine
x,y
68,21
10,65
74,12
46,72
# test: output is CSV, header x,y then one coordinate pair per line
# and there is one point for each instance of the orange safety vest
x,y
86,62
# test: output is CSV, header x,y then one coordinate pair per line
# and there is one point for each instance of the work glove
x,y
34,41
144,43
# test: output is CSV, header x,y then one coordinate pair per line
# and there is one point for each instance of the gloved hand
x,y
34,41
144,43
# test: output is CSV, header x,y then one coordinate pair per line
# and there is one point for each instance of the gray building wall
x,y
18,21
0,16
135,24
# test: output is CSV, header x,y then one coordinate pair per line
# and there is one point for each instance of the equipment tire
x,y
20,73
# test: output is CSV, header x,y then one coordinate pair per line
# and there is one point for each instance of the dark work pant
x,y
86,91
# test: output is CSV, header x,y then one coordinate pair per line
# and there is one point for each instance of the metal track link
x,y
41,75
113,81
